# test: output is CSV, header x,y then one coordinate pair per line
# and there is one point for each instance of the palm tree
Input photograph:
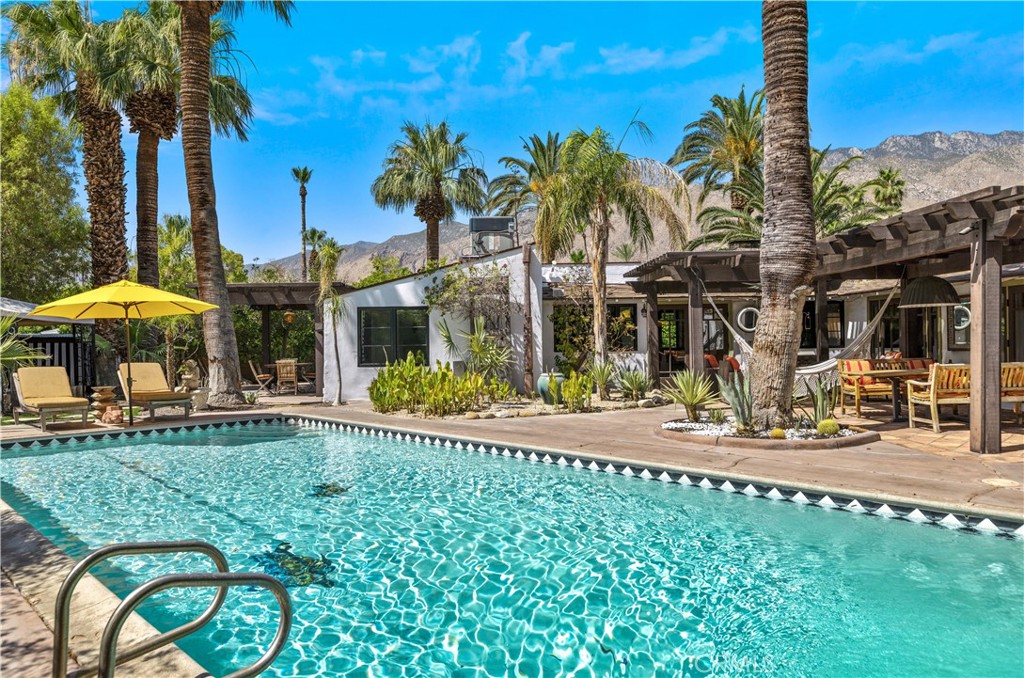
x,y
431,170
788,253
889,188
302,175
725,141
333,303
55,48
153,71
524,187
596,179
196,68
838,206
315,239
625,252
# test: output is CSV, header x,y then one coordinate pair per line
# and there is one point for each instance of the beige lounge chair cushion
x,y
145,377
44,382
155,396
55,403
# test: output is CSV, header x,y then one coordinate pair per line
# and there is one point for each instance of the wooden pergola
x,y
977,232
287,296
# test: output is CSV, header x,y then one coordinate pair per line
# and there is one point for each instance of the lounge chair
x,y
150,389
46,390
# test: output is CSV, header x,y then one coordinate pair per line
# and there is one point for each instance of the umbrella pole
x,y
128,343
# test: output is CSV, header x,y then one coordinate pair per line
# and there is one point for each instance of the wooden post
x,y
695,323
653,334
318,348
528,382
265,311
821,318
986,342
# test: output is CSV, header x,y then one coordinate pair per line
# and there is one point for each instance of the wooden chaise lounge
x,y
150,389
46,391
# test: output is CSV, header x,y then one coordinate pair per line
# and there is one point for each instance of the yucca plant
x,y
736,392
634,383
602,374
691,390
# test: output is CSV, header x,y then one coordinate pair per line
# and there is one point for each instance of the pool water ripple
x,y
450,563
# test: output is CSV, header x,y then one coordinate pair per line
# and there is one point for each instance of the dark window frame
x,y
392,350
615,310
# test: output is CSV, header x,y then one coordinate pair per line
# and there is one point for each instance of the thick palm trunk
x,y
433,241
103,167
599,285
147,207
218,327
305,269
788,256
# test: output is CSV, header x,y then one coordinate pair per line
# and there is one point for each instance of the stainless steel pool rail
x,y
221,580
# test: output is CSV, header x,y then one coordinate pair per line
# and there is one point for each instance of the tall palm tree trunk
x,y
305,269
147,207
788,256
103,167
218,326
433,240
599,284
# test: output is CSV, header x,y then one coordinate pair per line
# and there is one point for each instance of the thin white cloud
x,y
871,57
547,61
374,56
624,59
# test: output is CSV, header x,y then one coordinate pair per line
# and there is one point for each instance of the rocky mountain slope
x,y
935,166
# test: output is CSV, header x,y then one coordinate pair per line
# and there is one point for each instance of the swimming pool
x,y
429,561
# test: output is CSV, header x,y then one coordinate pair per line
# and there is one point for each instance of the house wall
x,y
410,292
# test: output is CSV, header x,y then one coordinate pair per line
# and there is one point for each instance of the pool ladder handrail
x,y
222,579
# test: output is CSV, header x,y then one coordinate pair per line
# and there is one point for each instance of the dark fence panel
x,y
70,351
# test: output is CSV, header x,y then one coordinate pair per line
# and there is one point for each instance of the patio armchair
x,y
858,386
1011,387
150,389
46,391
947,385
287,376
262,379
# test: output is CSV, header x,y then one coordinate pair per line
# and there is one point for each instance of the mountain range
x,y
934,165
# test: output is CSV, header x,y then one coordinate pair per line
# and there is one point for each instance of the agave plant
x,y
14,352
823,395
483,354
634,383
602,374
736,392
691,390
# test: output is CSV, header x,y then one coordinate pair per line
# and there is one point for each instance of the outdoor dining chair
x,y
264,380
287,376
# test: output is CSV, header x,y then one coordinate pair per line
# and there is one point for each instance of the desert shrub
x,y
410,385
634,383
736,392
602,375
717,416
691,390
576,392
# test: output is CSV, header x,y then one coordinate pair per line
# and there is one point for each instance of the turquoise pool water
x,y
438,562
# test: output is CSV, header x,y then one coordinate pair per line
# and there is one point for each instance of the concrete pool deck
x,y
945,477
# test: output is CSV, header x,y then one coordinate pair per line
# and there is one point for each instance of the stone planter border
x,y
861,437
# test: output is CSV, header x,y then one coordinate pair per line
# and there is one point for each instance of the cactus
x,y
777,434
828,427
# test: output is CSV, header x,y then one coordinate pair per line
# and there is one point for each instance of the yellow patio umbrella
x,y
127,300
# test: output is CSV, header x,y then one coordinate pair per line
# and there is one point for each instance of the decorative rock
x,y
112,415
629,405
646,403
472,415
528,413
487,415
504,414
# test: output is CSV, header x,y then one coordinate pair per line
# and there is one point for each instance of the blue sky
x,y
332,90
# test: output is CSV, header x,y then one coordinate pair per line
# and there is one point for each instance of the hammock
x,y
853,349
